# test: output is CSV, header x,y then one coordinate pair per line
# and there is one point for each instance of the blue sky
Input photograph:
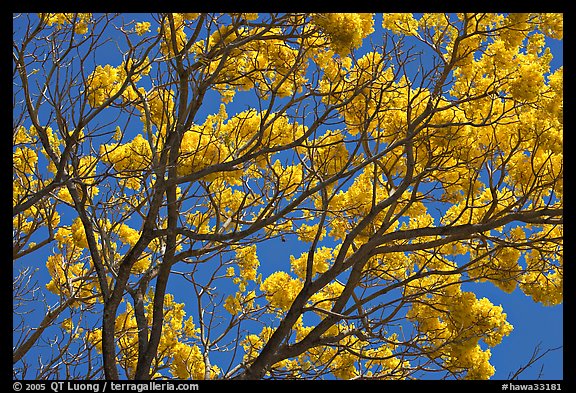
x,y
533,324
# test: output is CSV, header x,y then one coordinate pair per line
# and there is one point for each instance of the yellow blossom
x,y
142,28
281,289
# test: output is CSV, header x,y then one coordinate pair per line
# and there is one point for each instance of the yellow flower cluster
x,y
554,103
502,269
552,24
328,154
474,360
177,35
24,160
281,289
75,277
247,128
141,265
529,81
253,343
86,169
307,233
188,362
190,15
400,23
105,82
34,218
323,257
518,25
86,173
357,199
245,15
247,260
544,288
248,263
69,280
161,107
201,147
278,228
128,235
345,30
325,298
79,20
217,141
453,322
240,302
536,43
389,266
53,140
473,211
361,88
384,363
370,71
67,325
176,349
199,150
20,136
346,207
229,200
345,364
79,234
543,278
267,64
289,178
199,221
142,28
133,156
532,139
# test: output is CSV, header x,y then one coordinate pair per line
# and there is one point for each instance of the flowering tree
x,y
155,157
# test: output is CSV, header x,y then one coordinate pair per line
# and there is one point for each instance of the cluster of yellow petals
x,y
248,262
176,349
69,280
543,278
173,32
327,153
347,207
25,160
400,23
453,322
72,274
142,28
105,82
323,257
130,157
307,233
346,31
240,302
280,290
218,141
80,20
